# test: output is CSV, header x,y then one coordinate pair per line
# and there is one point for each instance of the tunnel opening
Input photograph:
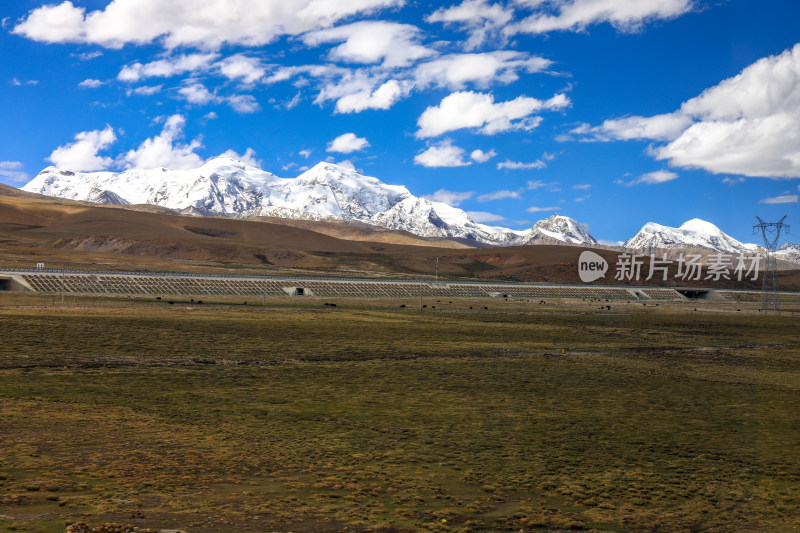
x,y
696,294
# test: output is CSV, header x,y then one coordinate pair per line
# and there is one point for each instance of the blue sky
x,y
613,112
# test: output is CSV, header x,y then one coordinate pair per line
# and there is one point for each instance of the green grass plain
x,y
368,417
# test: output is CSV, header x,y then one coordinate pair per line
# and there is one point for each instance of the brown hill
x,y
35,228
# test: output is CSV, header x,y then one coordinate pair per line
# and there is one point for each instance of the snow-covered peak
x,y
695,233
700,226
560,229
223,186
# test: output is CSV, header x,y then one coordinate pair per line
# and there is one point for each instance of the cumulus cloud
x,y
482,157
209,24
746,125
456,70
381,98
243,103
197,93
482,20
518,165
249,157
783,199
247,70
165,149
444,154
651,178
453,198
467,109
576,15
305,153
12,170
389,43
167,67
498,195
82,153
90,83
347,143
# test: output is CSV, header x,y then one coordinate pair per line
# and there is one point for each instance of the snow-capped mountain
x,y
560,230
227,187
789,252
694,233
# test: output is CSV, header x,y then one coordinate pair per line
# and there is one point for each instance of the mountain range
x,y
231,188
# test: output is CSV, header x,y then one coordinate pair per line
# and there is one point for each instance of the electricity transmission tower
x,y
771,233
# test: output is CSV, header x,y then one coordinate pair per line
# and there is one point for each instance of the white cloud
x,y
348,165
482,157
482,217
452,198
243,103
211,115
305,153
480,19
746,125
498,195
242,68
145,90
444,154
294,102
167,67
381,98
534,209
90,83
12,170
347,143
517,165
249,157
208,24
732,181
651,178
582,186
82,154
583,198
17,82
393,44
784,199
660,127
539,184
197,93
285,73
467,109
456,70
576,15
87,56
165,150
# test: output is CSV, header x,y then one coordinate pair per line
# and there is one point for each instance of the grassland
x,y
295,416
